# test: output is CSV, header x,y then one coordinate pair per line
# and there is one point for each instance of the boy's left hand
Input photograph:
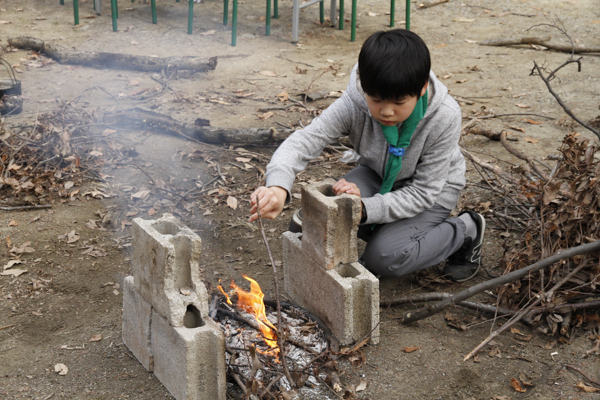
x,y
343,186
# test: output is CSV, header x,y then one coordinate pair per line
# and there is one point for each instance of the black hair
x,y
394,64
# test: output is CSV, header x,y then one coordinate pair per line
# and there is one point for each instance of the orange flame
x,y
226,295
252,303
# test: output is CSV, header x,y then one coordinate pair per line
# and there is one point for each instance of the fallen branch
x,y
523,157
412,316
540,42
431,3
495,136
113,60
144,119
494,168
22,208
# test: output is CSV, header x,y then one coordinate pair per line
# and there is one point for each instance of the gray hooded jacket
x,y
433,168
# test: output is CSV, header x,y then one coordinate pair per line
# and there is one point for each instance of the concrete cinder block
x,y
165,265
345,298
190,362
329,225
136,324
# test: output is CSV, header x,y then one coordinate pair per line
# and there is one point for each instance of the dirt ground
x,y
71,291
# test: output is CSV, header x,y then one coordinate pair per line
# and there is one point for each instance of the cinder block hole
x,y
166,228
347,271
192,318
327,190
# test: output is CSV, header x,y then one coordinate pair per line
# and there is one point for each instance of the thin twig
x,y
36,207
280,332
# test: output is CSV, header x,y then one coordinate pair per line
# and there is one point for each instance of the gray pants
x,y
408,245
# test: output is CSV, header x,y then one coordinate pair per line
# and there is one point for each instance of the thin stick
x,y
526,311
36,207
7,326
280,333
574,368
492,283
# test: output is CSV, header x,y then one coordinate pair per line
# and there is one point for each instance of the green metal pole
x,y
341,15
113,10
117,8
153,5
275,9
268,29
62,2
393,13
321,11
76,11
353,30
408,15
234,23
225,11
191,17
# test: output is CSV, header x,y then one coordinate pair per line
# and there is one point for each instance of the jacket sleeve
x,y
431,175
306,144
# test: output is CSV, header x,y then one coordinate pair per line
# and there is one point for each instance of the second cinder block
x,y
345,298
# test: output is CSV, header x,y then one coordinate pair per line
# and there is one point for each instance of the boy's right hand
x,y
271,200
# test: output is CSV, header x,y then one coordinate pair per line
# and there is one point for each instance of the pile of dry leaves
x,y
555,210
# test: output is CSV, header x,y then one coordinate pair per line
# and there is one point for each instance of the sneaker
x,y
296,222
465,263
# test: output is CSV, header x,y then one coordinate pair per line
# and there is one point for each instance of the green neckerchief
x,y
398,140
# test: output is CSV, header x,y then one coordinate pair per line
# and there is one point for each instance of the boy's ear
x,y
424,89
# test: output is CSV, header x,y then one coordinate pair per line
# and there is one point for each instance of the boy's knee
x,y
383,261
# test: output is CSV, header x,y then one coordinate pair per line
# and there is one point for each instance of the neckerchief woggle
x,y
398,139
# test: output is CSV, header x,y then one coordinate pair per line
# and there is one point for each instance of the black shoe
x,y
465,263
296,222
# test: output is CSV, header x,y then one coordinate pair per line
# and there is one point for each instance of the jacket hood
x,y
437,93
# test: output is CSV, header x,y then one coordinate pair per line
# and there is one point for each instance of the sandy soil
x,y
71,293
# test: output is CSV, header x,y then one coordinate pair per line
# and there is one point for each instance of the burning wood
x,y
251,341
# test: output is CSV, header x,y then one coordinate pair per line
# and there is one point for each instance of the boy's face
x,y
392,112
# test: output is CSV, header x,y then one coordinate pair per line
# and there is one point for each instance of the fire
x,y
252,303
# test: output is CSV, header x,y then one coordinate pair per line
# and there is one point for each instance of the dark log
x,y
113,60
144,119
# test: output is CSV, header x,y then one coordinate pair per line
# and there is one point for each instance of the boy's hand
x,y
271,200
343,186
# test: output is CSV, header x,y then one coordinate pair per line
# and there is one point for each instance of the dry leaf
x,y
243,159
151,211
211,32
361,386
586,388
62,369
531,140
522,105
72,237
410,349
283,96
470,41
69,185
268,73
13,272
532,121
108,131
515,331
133,82
12,222
95,338
232,202
11,263
133,42
462,81
517,386
266,115
463,20
372,14
527,381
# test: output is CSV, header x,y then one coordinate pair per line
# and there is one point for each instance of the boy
x,y
405,127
